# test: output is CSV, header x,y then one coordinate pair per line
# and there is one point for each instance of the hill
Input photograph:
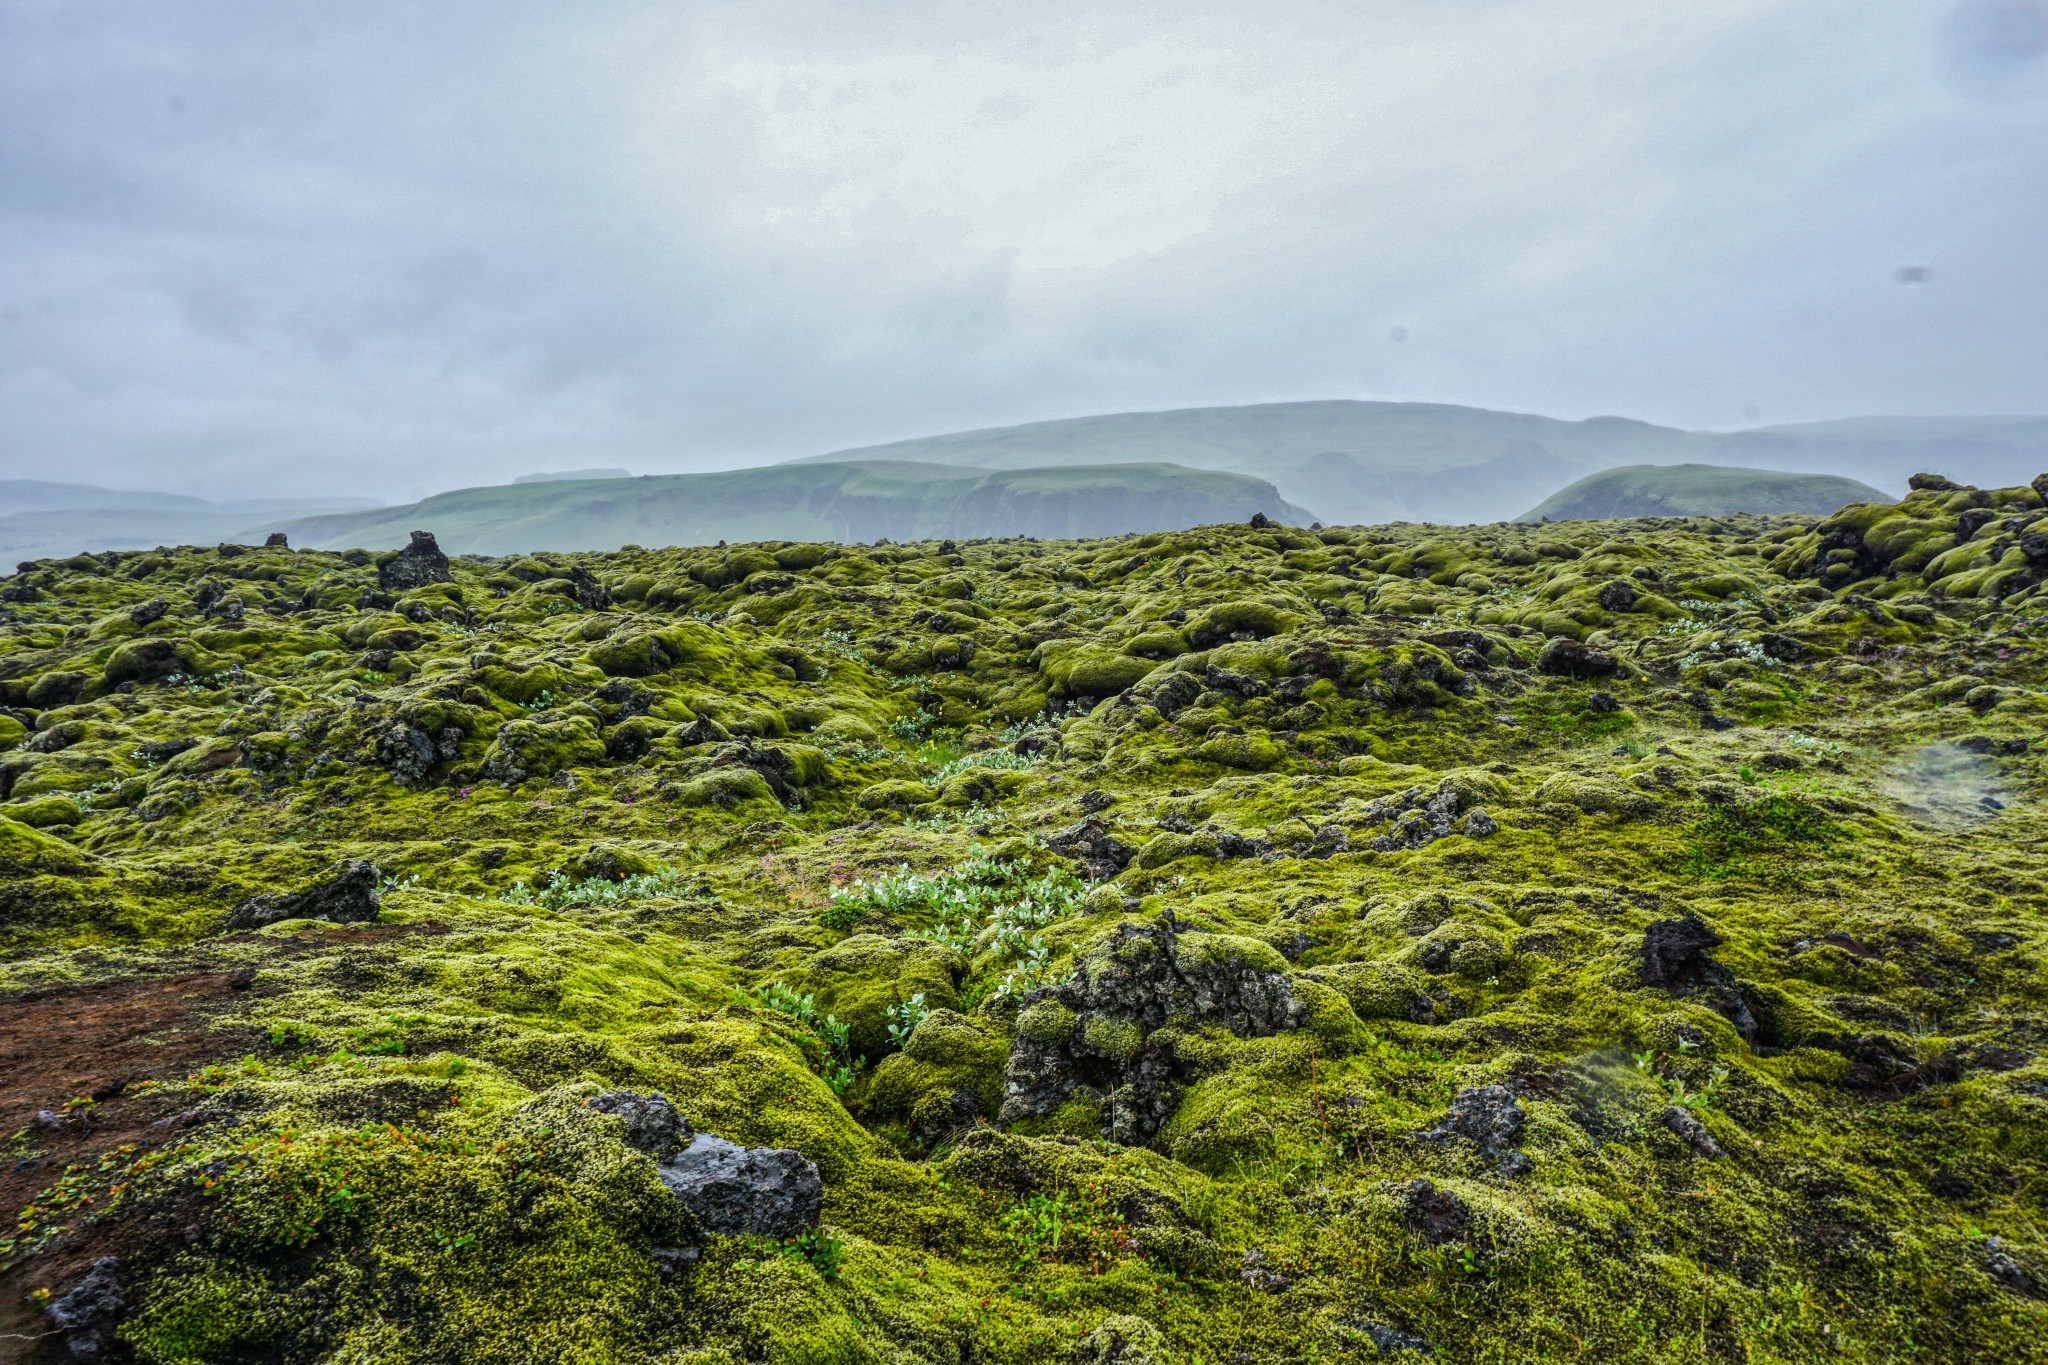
x,y
1358,462
1689,490
1597,941
850,502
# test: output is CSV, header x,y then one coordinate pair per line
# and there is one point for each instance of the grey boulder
x,y
734,1190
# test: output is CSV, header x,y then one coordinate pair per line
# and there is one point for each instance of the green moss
x,y
1849,1043
45,811
726,788
1249,751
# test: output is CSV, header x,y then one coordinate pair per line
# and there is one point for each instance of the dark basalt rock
x,y
1479,825
150,612
87,1313
276,541
1690,1131
1620,595
1043,740
1090,843
1489,1117
1675,951
157,750
410,753
1565,658
1433,1214
348,897
1254,1272
629,697
1108,1027
653,1125
591,595
1972,521
1229,845
418,564
1879,1062
736,1191
1675,959
1172,694
702,730
1329,841
1418,819
1236,684
2000,1266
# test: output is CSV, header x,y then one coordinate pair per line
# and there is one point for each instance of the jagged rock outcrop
x,y
348,897
653,1124
1090,843
732,1190
1566,658
1112,1029
1675,959
418,564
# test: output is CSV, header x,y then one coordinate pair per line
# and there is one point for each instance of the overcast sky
x,y
393,248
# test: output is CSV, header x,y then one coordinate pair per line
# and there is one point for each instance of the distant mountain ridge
x,y
848,501
1698,490
39,520
1339,461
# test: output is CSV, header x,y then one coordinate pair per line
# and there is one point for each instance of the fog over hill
x,y
1341,462
1358,462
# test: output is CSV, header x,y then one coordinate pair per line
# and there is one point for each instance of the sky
x,y
392,248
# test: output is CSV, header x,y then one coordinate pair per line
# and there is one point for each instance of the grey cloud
x,y
374,248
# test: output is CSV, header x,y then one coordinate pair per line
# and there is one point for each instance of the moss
x,y
860,978
45,812
1047,1022
1868,923
24,850
1162,849
1094,673
726,788
895,794
541,747
1250,751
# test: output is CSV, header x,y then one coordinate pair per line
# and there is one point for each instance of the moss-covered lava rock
x,y
1613,941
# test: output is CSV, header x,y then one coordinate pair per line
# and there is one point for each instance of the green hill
x,y
1698,490
1358,462
864,501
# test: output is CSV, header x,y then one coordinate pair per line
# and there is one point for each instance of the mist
x,y
391,249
